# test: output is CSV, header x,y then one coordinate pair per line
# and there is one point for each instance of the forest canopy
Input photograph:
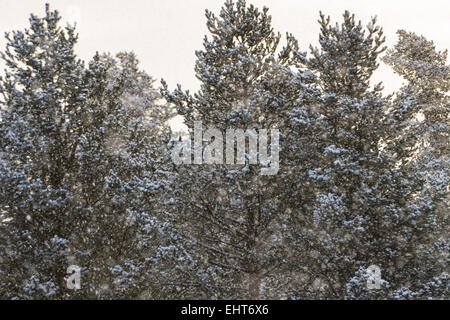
x,y
87,176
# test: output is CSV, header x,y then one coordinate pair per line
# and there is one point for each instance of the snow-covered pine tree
x,y
365,210
347,56
121,157
330,221
426,93
229,217
42,90
80,169
425,98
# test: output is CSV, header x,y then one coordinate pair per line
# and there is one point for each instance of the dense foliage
x,y
87,178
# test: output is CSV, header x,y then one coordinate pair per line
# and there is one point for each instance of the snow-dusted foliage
x,y
368,204
80,170
230,217
87,177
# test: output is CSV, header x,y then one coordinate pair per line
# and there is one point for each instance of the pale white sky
x,y
165,33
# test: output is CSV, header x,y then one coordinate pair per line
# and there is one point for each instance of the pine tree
x,y
426,94
366,209
43,89
120,176
425,98
80,170
347,56
229,216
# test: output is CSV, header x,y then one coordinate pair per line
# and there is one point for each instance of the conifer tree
x,y
42,91
230,216
366,209
81,148
426,136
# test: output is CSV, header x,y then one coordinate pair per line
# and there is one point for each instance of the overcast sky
x,y
165,33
